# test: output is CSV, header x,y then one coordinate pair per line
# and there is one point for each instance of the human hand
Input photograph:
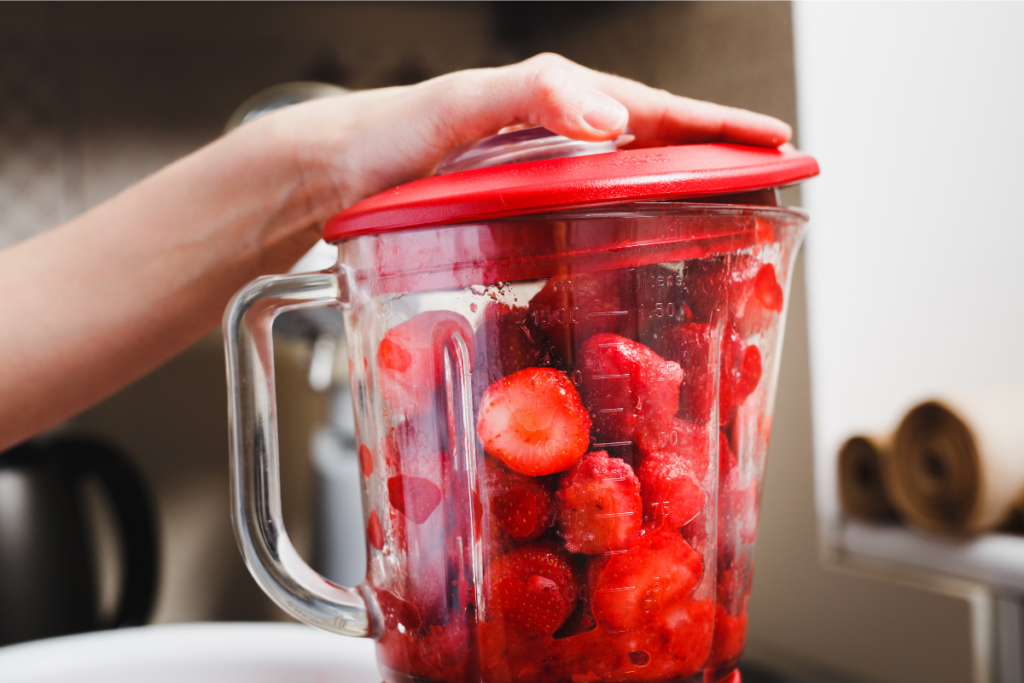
x,y
350,147
146,273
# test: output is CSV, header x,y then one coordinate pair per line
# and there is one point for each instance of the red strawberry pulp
x,y
607,530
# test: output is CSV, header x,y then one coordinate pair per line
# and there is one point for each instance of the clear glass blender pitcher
x,y
562,414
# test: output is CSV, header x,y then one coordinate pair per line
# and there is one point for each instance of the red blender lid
x,y
552,184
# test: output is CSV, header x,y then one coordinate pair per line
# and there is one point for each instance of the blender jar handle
x,y
255,468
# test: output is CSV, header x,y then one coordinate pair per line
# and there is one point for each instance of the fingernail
x,y
604,113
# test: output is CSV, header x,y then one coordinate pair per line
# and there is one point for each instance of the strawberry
x,y
365,460
733,585
737,518
670,493
374,532
507,656
413,449
671,644
764,230
740,374
690,344
706,288
430,653
507,341
659,568
397,611
685,638
414,497
520,505
625,385
530,590
737,499
416,466
730,637
571,309
684,445
534,422
409,369
599,505
767,288
755,295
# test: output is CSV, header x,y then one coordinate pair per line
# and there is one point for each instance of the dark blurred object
x,y
278,97
530,24
864,470
759,673
326,68
48,581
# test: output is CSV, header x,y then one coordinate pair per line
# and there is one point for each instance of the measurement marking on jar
x,y
613,514
604,313
616,590
626,376
613,443
611,410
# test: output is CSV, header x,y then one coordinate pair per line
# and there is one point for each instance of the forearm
x,y
100,301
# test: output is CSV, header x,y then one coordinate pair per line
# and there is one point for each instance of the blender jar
x,y
562,374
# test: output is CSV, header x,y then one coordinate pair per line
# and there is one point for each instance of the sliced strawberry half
x,y
531,589
520,505
626,385
599,506
659,568
409,370
534,422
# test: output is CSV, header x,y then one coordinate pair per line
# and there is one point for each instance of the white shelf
x,y
996,560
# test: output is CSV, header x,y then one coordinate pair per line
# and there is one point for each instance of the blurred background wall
x,y
93,97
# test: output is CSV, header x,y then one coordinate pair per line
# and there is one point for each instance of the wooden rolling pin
x,y
863,478
958,462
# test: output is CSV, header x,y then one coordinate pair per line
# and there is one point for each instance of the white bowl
x,y
194,653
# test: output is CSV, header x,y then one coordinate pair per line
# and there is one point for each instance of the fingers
x,y
546,90
659,116
583,104
366,142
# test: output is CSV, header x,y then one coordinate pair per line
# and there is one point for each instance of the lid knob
x,y
516,144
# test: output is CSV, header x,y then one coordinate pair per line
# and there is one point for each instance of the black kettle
x,y
48,581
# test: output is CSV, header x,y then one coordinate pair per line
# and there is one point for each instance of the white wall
x,y
913,111
916,113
